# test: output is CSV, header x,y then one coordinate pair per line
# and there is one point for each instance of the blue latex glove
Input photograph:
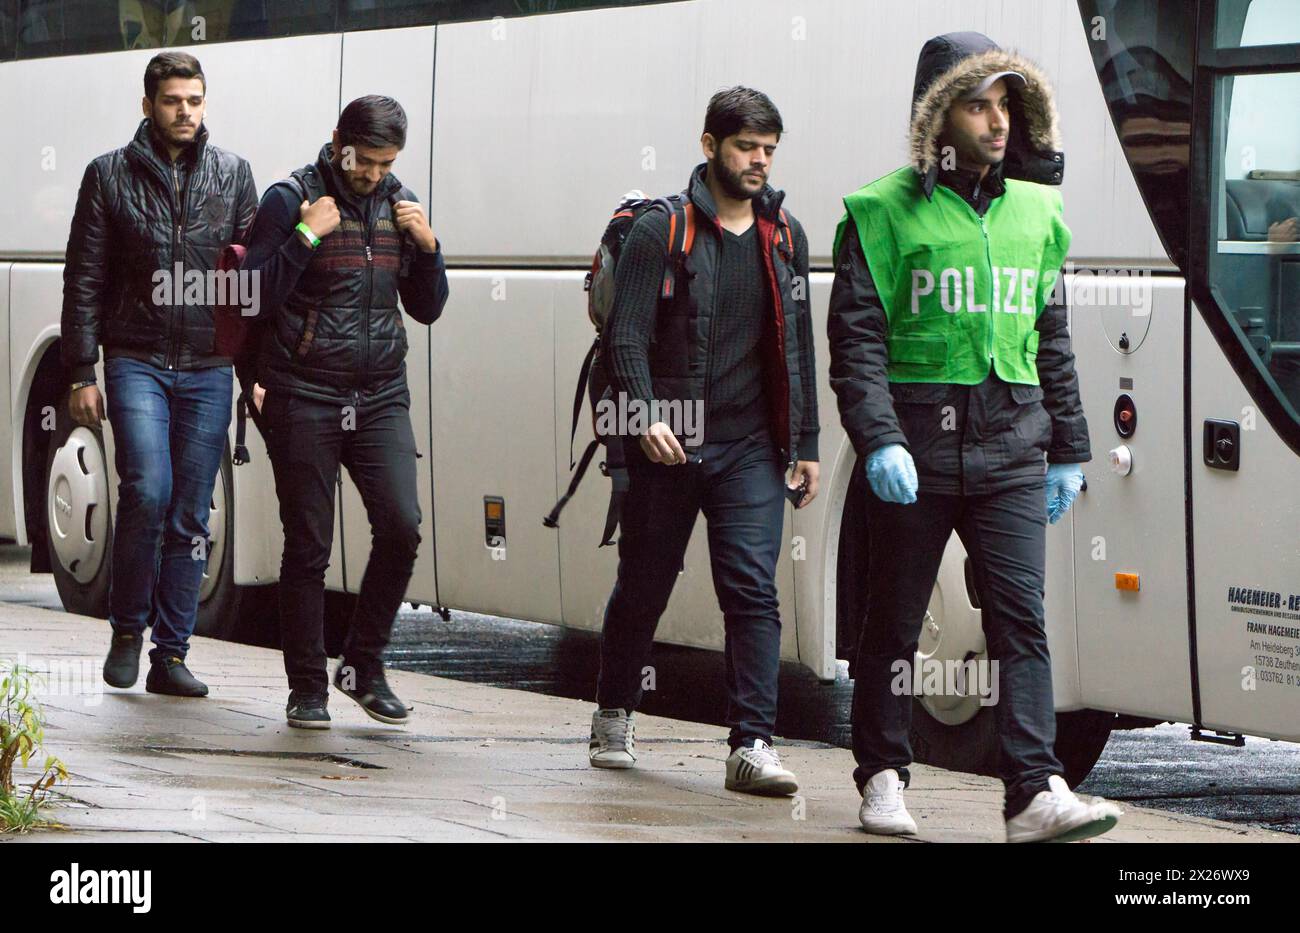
x,y
892,474
1064,480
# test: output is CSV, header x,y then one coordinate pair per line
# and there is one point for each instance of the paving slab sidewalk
x,y
475,763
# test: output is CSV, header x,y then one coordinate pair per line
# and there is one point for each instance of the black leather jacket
x,y
137,214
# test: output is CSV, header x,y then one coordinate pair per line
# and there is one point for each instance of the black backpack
x,y
592,379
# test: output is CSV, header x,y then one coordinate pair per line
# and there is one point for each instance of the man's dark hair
x,y
166,65
741,108
374,122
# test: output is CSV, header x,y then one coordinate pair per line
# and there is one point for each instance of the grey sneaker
x,y
757,769
612,742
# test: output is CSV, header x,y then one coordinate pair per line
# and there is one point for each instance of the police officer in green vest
x,y
951,363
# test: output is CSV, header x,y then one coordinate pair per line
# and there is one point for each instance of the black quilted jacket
x,y
137,214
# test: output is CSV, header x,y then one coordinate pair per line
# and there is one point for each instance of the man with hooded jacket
x,y
951,363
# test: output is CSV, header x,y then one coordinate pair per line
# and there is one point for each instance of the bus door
x,y
1243,408
1128,332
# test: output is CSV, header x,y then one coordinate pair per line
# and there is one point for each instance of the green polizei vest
x,y
961,292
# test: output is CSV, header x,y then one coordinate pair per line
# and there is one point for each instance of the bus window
x,y
1254,255
381,14
8,28
74,27
1241,23
1143,54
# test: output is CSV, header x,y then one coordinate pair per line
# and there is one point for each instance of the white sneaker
x,y
756,769
882,811
1057,815
612,744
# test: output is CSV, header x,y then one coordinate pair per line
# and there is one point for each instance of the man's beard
x,y
171,135
732,182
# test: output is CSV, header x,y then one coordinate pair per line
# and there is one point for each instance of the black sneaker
x,y
172,677
122,667
373,695
307,710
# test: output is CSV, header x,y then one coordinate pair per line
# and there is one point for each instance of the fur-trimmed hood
x,y
952,66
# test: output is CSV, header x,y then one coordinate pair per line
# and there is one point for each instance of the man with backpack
x,y
711,312
150,216
951,362
335,246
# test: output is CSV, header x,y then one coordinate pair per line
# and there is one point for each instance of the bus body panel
x,y
398,63
1133,647
1247,645
494,435
623,91
11,422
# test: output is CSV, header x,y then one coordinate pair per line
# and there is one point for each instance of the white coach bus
x,y
1173,589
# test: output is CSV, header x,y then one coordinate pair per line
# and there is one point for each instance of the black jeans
x,y
307,441
1005,536
740,486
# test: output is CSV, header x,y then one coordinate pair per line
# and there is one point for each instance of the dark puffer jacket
x,y
138,213
336,332
964,439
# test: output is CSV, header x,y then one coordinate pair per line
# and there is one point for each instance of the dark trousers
x,y
1005,536
169,431
740,487
308,440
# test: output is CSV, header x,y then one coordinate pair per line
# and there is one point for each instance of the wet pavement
x,y
1258,785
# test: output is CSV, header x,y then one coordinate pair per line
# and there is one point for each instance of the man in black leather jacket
x,y
150,223
334,247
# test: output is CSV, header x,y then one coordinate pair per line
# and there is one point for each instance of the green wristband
x,y
306,231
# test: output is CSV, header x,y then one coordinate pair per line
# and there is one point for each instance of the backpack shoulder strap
x,y
681,237
784,232
306,183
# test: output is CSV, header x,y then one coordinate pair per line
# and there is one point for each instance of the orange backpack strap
x,y
681,236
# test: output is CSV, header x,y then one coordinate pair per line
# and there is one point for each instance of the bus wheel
x,y
78,530
219,597
1080,739
973,747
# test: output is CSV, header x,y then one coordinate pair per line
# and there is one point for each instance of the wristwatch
x,y
306,231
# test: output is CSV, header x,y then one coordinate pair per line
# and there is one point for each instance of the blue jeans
x,y
740,486
169,430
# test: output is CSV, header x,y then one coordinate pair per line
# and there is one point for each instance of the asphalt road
x,y
1158,767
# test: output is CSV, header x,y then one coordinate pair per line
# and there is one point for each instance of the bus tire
x,y
78,528
1080,739
219,597
973,746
